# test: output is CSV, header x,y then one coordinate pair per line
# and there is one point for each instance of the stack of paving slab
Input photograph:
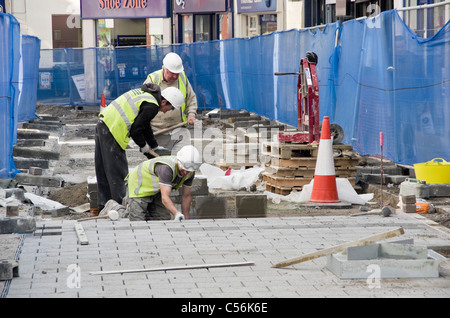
x,y
244,137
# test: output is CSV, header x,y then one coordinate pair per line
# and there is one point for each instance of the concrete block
x,y
17,225
35,153
210,207
251,205
386,260
30,142
409,199
36,171
409,208
199,186
26,163
12,210
8,270
31,134
45,181
439,189
92,193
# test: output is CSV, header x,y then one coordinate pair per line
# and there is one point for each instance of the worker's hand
x,y
146,151
179,216
191,120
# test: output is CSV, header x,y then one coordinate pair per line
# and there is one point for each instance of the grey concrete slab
x,y
56,266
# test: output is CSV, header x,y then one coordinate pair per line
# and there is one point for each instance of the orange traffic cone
x,y
324,186
102,102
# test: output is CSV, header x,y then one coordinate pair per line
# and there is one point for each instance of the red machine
x,y
308,129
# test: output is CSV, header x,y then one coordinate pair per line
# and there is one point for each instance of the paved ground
x,y
53,264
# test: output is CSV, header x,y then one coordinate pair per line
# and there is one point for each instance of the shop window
x,y
188,28
224,26
203,28
268,23
66,31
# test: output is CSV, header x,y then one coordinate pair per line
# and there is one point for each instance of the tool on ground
x,y
113,215
308,126
82,238
172,268
341,247
385,211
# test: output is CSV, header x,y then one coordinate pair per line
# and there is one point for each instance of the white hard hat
x,y
174,96
172,61
189,158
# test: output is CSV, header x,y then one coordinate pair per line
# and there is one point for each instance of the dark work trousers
x,y
111,166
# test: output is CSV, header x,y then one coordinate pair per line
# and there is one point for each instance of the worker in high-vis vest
x,y
149,186
172,75
128,116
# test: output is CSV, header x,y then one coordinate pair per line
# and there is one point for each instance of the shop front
x,y
202,20
257,17
126,22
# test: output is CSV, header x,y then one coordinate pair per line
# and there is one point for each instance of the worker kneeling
x,y
149,186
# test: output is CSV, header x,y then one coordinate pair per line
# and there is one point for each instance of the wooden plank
x,y
341,247
172,268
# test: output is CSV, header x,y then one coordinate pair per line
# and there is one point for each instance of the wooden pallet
x,y
306,172
291,150
281,190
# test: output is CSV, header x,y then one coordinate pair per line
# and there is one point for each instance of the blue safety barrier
x,y
390,80
28,77
375,75
9,91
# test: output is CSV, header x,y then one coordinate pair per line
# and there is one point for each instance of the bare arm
x,y
165,198
186,202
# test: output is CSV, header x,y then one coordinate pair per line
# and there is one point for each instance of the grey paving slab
x,y
57,266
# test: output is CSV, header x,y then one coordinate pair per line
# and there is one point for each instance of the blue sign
x,y
244,6
2,6
116,9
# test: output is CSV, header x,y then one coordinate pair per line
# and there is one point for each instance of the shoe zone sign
x,y
116,9
244,6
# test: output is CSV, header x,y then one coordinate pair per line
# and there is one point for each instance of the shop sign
x,y
244,6
116,9
194,6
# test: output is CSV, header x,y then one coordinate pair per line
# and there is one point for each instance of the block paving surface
x,y
53,264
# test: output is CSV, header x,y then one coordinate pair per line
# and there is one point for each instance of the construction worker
x,y
127,116
149,186
172,75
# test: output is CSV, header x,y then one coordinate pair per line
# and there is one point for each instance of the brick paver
x,y
49,264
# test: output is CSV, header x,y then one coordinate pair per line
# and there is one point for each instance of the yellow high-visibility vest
x,y
143,182
157,77
122,112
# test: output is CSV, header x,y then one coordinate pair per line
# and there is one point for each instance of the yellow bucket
x,y
433,171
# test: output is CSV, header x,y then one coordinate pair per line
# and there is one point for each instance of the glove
x,y
179,216
145,150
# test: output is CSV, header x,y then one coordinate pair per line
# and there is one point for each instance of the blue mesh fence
x,y
390,80
9,91
380,77
28,78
